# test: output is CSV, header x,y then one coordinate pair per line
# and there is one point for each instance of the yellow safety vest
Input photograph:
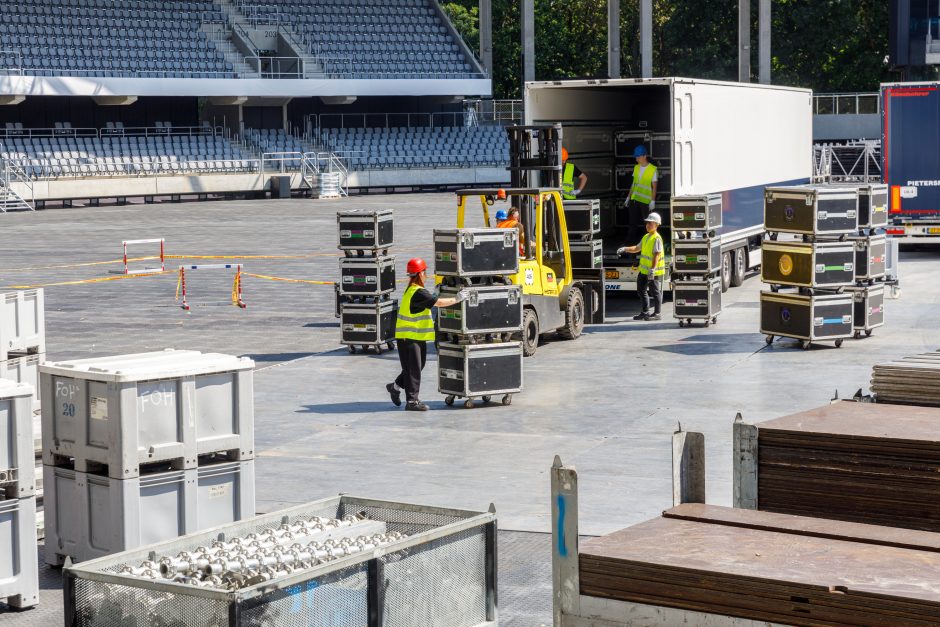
x,y
567,182
643,186
413,327
646,255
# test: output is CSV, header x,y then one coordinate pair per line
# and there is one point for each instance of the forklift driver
x,y
512,222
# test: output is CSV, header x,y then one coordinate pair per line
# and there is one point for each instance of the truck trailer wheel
x,y
726,271
740,267
574,315
530,332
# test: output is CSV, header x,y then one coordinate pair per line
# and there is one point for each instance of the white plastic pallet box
x,y
128,410
24,370
22,323
90,515
19,572
17,452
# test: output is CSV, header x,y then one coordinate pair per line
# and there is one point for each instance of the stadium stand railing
x,y
118,151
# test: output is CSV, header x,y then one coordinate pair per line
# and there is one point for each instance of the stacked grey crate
x,y
479,347
364,302
809,277
696,258
583,220
913,380
143,448
19,575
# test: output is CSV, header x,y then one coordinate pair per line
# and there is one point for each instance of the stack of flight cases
x,y
871,252
809,275
479,347
696,258
583,220
364,301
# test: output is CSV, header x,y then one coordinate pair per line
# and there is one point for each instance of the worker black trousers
x,y
636,217
650,290
412,354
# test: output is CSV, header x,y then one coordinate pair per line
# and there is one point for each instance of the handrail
x,y
410,119
44,169
847,103
111,73
130,131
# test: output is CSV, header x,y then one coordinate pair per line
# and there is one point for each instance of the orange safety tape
x,y
119,277
278,278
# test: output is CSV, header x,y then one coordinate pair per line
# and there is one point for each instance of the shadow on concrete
x,y
277,357
356,407
633,325
714,344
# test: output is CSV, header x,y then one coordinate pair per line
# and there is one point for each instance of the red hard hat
x,y
416,265
564,154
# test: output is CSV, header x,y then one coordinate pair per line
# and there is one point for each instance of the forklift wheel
x,y
448,400
468,403
487,398
507,400
769,339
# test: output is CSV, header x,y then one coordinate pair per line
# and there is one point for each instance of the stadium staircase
x,y
9,199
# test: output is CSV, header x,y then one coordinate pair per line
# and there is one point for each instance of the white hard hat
x,y
654,217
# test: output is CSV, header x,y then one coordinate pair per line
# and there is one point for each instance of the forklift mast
x,y
534,162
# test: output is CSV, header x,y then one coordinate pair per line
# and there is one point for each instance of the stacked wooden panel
x,y
914,380
770,567
864,462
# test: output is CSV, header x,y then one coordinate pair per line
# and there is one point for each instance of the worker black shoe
x,y
395,394
641,316
416,406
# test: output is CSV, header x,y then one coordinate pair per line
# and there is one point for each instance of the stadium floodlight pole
x,y
744,41
613,38
528,41
646,38
486,36
763,47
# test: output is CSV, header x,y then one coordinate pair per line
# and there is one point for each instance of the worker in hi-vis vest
x,y
649,283
413,330
642,197
570,173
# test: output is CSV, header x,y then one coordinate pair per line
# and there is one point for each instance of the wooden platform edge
x,y
598,612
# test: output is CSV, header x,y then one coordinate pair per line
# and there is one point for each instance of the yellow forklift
x,y
556,298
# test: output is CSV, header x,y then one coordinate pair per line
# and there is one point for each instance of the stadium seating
x,y
389,39
380,148
145,38
116,154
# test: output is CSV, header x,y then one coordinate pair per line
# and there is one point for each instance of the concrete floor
x,y
607,403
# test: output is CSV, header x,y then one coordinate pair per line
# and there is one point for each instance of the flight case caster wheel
x,y
715,320
805,344
487,398
858,335
391,346
351,349
769,339
839,343
448,400
681,323
507,400
707,322
468,404
868,333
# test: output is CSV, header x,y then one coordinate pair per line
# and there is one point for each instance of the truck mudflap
x,y
592,285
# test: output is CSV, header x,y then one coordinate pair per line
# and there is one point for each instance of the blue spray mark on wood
x,y
560,532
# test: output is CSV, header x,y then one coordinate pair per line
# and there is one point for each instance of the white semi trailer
x,y
705,137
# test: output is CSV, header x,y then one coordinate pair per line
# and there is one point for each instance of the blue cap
x,y
501,215
640,151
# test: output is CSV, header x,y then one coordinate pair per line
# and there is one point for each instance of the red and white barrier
x,y
162,257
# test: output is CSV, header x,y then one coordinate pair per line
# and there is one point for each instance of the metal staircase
x,y
221,36
10,200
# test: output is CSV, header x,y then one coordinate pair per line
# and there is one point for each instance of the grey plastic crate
x,y
19,571
17,455
22,323
89,515
443,573
138,409
25,370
